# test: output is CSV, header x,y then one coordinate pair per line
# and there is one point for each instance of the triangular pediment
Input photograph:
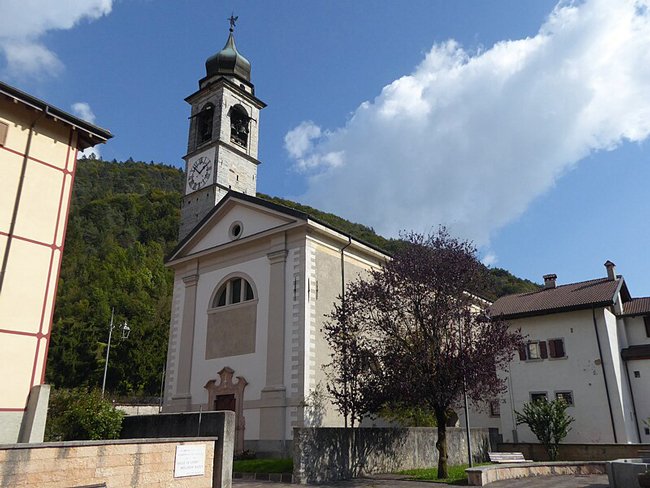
x,y
234,219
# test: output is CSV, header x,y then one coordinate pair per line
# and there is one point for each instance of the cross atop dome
x,y
232,21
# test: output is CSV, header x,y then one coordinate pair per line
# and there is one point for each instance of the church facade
x,y
254,280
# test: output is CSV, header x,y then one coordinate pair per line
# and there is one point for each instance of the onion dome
x,y
229,62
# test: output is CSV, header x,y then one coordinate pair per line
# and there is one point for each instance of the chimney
x,y
549,281
611,270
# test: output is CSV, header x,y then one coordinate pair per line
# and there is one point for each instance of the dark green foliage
x,y
408,415
548,421
263,466
123,221
81,414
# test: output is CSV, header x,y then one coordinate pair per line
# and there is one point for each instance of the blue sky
x,y
527,133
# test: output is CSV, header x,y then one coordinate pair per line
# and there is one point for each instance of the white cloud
x,y
299,143
24,22
489,259
83,111
469,140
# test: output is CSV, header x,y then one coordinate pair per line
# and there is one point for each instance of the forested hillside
x,y
123,221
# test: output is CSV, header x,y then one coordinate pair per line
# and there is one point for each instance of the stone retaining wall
x,y
329,454
141,463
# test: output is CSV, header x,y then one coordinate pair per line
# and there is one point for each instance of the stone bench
x,y
483,475
507,457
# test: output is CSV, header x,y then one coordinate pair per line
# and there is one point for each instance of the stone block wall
x,y
330,454
118,463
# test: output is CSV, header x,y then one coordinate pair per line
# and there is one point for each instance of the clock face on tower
x,y
199,173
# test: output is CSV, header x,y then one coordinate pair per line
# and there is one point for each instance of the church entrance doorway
x,y
225,402
225,394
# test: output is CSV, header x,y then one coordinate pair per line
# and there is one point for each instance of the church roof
x,y
229,62
292,212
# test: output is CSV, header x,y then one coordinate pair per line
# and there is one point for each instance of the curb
x,y
275,477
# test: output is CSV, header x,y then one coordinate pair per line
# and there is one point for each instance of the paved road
x,y
593,481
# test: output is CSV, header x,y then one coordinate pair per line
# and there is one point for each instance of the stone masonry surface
x,y
594,481
116,463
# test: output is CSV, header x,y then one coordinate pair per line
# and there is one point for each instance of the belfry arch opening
x,y
204,124
239,125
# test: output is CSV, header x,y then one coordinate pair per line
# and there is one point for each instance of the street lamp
x,y
126,330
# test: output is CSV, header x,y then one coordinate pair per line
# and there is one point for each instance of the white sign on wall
x,y
190,460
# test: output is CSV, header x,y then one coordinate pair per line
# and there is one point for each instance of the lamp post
x,y
125,334
466,407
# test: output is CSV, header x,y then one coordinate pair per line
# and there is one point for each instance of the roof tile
x,y
637,306
564,297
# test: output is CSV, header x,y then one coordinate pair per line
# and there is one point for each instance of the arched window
x,y
235,290
239,121
204,123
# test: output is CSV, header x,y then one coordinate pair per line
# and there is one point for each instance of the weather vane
x,y
232,21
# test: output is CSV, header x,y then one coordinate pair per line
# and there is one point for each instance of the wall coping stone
x,y
48,445
481,475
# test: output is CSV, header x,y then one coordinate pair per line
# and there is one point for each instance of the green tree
x,y
549,422
81,414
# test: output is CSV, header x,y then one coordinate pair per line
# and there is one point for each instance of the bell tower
x,y
223,135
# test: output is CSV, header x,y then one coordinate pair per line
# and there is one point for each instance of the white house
x,y
589,343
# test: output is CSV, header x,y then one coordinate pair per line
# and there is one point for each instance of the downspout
x,y
602,366
19,191
343,269
629,385
343,304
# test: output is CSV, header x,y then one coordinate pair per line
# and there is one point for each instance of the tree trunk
x,y
441,443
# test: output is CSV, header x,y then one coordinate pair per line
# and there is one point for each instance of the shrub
x,y
548,421
81,414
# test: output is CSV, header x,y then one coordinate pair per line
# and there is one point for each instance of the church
x,y
254,281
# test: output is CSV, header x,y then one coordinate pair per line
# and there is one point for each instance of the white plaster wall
x,y
250,366
252,416
641,390
253,221
635,331
479,416
580,372
617,381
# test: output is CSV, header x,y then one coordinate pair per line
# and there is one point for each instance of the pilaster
x,y
183,395
273,416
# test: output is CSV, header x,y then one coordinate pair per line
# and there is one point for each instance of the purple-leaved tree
x,y
412,332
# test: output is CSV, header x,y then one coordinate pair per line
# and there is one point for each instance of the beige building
x,y
38,152
253,280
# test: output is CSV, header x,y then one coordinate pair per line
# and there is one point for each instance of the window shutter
x,y
646,320
551,348
543,353
560,348
522,353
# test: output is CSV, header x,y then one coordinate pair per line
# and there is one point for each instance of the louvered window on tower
x,y
204,124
